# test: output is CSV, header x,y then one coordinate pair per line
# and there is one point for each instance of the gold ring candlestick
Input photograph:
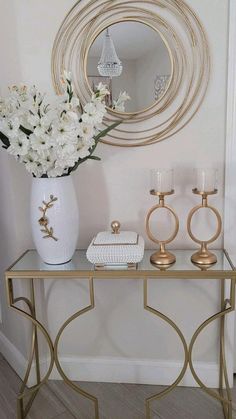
x,y
162,257
204,256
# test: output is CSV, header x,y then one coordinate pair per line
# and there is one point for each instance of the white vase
x,y
54,218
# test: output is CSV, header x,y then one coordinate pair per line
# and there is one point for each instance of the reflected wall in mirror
x,y
130,57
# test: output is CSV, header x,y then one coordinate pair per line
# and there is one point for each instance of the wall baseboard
x,y
115,370
137,371
13,356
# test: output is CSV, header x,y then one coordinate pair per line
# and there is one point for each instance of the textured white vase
x,y
54,218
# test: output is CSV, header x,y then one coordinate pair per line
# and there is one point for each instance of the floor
x,y
116,401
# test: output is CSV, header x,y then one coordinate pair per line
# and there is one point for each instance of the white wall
x,y
154,63
118,187
230,174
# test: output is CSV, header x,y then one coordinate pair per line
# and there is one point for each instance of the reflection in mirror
x,y
130,57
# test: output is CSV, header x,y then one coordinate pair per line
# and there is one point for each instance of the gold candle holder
x,y
162,257
204,256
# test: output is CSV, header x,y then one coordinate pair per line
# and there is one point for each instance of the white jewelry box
x,y
116,248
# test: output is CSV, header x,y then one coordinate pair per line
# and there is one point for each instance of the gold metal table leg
x,y
56,357
23,409
227,306
178,331
223,379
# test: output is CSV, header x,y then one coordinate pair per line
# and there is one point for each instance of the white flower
x,y
65,79
89,142
72,116
102,90
6,109
100,107
56,172
119,104
33,119
83,152
69,149
33,91
63,134
38,171
84,148
66,161
20,91
123,96
90,108
69,118
67,75
19,145
35,169
75,103
40,131
40,143
58,135
10,127
85,130
31,164
47,158
92,115
45,121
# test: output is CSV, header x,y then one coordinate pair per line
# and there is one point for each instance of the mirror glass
x,y
132,59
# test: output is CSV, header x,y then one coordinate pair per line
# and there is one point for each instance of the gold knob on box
x,y
115,225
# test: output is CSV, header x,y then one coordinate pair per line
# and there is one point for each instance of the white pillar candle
x,y
162,180
206,180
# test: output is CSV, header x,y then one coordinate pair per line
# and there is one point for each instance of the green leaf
x,y
25,130
5,140
94,158
106,130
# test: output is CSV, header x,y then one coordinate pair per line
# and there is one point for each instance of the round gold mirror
x,y
169,44
132,59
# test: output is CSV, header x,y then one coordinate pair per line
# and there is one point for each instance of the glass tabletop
x,y
30,262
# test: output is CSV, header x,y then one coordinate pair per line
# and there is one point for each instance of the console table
x,y
30,267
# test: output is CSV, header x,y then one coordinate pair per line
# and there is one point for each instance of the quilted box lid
x,y
116,247
115,237
108,238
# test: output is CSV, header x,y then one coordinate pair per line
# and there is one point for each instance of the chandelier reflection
x,y
109,64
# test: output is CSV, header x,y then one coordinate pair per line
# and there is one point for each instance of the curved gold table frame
x,y
227,305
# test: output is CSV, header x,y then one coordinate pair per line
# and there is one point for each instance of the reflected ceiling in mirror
x,y
130,57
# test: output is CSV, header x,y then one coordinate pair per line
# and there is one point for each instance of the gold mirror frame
x,y
182,32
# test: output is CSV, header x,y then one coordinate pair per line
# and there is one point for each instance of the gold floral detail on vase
x,y
44,221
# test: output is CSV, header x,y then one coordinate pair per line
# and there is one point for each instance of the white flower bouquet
x,y
52,141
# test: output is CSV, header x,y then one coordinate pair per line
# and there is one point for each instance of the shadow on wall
x,y
14,182
92,195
